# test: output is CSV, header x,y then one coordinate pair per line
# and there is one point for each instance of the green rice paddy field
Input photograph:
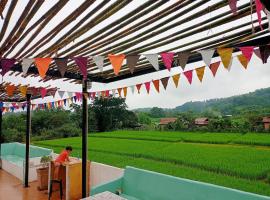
x,y
227,159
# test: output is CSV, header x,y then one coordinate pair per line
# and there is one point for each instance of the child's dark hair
x,y
69,148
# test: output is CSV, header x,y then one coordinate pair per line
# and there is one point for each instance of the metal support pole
x,y
27,139
1,114
84,139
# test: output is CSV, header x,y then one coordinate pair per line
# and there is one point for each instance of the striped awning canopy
x,y
68,29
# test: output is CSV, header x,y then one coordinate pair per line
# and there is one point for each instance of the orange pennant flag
x,y
156,84
200,72
42,65
116,61
23,90
10,90
125,91
119,91
243,60
226,56
176,78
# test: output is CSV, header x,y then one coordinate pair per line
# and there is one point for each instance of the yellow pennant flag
x,y
200,72
23,90
176,78
119,92
125,91
243,60
226,56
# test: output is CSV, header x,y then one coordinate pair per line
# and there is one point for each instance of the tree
x,y
157,112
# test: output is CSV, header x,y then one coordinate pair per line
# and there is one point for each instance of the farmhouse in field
x,y
165,121
202,121
266,122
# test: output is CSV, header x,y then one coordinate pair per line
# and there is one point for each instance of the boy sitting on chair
x,y
62,158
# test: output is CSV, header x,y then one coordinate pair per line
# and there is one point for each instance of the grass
x,y
210,157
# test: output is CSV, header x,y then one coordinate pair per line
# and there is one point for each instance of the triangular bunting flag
x,y
10,90
43,65
183,58
147,87
265,53
119,92
167,58
176,78
23,90
226,56
153,59
188,75
259,9
233,6
138,86
116,61
132,62
26,63
43,92
156,84
164,82
207,55
113,92
82,64
243,60
200,73
61,64
258,53
247,52
6,65
99,61
214,67
125,91
132,89
70,94
61,93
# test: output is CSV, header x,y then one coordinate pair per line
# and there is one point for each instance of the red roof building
x,y
202,121
266,122
165,121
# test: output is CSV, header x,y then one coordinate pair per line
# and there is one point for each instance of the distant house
x,y
202,121
165,121
266,122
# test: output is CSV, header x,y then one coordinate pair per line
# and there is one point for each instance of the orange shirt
x,y
62,157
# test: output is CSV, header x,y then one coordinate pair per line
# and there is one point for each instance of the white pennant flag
x,y
98,94
230,65
26,63
113,92
70,94
7,104
132,88
99,61
207,55
153,59
61,93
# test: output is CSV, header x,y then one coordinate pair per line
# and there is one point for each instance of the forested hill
x,y
258,100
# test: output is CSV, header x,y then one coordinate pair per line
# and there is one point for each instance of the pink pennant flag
x,y
167,58
247,51
78,95
82,64
6,65
147,86
43,92
259,8
188,75
233,6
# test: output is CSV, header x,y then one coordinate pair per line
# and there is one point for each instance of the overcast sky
x,y
237,81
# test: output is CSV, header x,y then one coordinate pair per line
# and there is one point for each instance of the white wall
x,y
101,173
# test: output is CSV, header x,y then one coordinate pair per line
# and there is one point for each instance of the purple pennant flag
x,y
265,53
6,65
82,64
61,64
